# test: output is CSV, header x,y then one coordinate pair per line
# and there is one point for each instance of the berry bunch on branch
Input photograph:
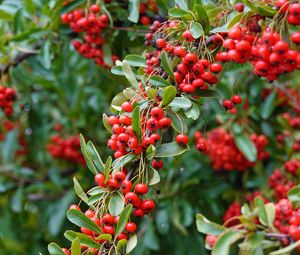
x,y
183,64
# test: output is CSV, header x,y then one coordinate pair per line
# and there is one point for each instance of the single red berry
x,y
130,227
152,124
74,207
157,164
182,139
113,184
215,67
236,99
164,122
141,188
157,113
122,236
107,229
132,198
66,251
125,120
228,105
235,33
126,186
127,107
107,219
147,141
94,8
148,205
89,213
138,213
99,179
239,7
179,52
155,137
133,142
201,147
187,35
119,176
160,43
190,59
123,138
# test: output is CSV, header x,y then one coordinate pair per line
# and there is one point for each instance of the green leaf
x,y
124,216
294,195
80,219
262,9
169,93
150,152
87,156
129,74
116,204
107,168
178,123
95,156
193,112
106,237
177,12
154,176
117,70
268,105
54,249
96,190
151,92
117,101
234,20
76,248
121,243
105,123
165,62
79,191
202,17
171,149
45,55
94,199
207,227
107,54
266,213
131,244
246,146
225,240
135,60
9,146
134,6
286,250
136,122
84,239
122,161
157,81
181,103
196,30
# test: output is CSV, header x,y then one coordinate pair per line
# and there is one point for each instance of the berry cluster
x,y
91,25
66,149
223,152
124,140
7,97
269,54
233,211
281,184
133,194
234,100
292,9
145,8
107,223
193,72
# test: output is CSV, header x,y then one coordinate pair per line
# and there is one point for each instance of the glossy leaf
x,y
196,30
84,239
124,216
79,191
54,249
80,219
116,204
131,244
225,240
171,149
129,74
169,93
135,60
207,227
246,146
157,81
76,248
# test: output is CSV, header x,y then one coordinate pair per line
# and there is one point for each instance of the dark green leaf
x,y
79,191
246,146
181,103
135,60
124,216
87,156
177,12
202,17
170,150
165,62
95,156
136,122
207,227
169,93
193,112
106,124
268,105
122,161
54,249
84,239
80,219
116,204
157,81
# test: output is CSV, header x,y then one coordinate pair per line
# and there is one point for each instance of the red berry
x,y
66,251
127,107
152,124
215,68
141,188
190,59
228,105
235,34
74,207
239,7
147,206
119,176
126,186
122,236
182,139
113,184
132,198
147,141
236,99
107,229
125,120
179,52
165,122
160,43
99,179
130,227
187,35
89,213
133,142
107,219
94,8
